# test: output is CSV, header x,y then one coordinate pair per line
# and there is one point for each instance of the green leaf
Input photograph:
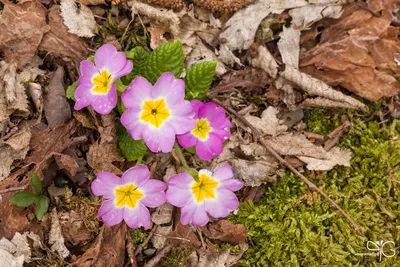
x,y
71,91
120,106
36,183
191,150
168,57
138,56
130,149
198,79
23,199
41,207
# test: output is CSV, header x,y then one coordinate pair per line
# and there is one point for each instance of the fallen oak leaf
x,y
79,20
101,158
226,231
56,239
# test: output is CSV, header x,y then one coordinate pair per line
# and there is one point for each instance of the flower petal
x,y
104,184
130,119
110,214
124,71
223,172
157,139
103,104
181,180
222,205
139,91
137,217
138,175
180,196
181,125
187,140
187,213
154,194
200,217
214,114
196,104
173,90
87,68
211,147
109,58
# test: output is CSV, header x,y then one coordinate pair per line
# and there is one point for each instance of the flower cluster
x,y
160,115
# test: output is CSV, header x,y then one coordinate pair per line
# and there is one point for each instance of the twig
x,y
156,259
311,186
146,241
12,189
130,248
173,237
126,30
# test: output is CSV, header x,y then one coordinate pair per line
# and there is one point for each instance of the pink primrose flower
x,y
128,197
210,132
213,194
96,84
157,113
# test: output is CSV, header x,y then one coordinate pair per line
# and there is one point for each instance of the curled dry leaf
x,y
205,258
36,93
226,231
16,147
107,250
92,2
315,87
9,260
22,26
268,123
358,52
304,17
85,119
74,229
99,162
289,46
67,163
61,42
78,19
262,58
56,107
56,239
107,130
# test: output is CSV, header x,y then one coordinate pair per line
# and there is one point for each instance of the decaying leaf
x,y
61,42
22,26
162,214
73,228
67,163
204,258
107,129
304,17
289,46
85,119
107,250
19,246
358,52
316,87
56,107
226,231
16,147
79,20
268,123
160,236
101,157
263,59
56,239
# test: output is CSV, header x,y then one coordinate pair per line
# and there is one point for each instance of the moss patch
x,y
292,227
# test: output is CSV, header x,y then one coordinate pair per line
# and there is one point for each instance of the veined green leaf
x,y
198,79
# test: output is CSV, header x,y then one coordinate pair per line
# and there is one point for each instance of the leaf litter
x,y
274,73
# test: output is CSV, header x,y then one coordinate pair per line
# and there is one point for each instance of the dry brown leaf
x,y
316,87
107,250
226,231
67,163
268,123
59,41
160,236
56,107
74,229
56,239
16,147
162,214
263,59
206,258
22,26
323,102
358,52
9,260
78,19
289,46
304,17
101,157
92,2
107,130
85,119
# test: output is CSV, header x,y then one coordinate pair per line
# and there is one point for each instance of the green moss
x,y
292,227
138,236
232,248
321,122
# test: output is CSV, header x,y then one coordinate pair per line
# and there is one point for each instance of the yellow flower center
x,y
155,112
102,82
128,195
202,129
205,188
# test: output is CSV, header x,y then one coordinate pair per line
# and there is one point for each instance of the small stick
x,y
156,259
130,247
311,186
12,189
141,246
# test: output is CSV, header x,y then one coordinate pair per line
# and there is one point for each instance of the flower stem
x,y
182,159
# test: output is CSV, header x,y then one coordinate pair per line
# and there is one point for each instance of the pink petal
x,y
221,207
103,104
231,184
187,213
83,92
87,68
109,58
137,217
196,104
200,217
81,103
187,140
104,184
124,71
138,175
181,180
173,90
154,194
214,114
179,197
130,119
222,133
223,172
213,146
181,125
157,139
154,200
110,214
183,109
139,91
